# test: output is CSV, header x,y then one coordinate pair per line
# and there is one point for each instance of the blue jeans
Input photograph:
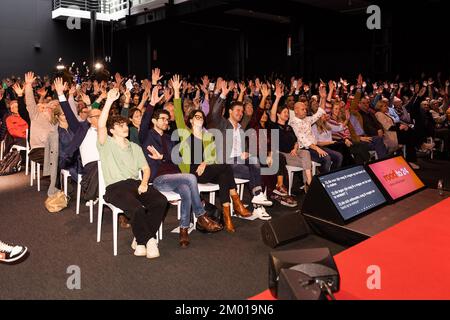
x,y
332,161
378,146
248,171
185,184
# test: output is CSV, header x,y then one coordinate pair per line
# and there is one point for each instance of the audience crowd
x,y
170,134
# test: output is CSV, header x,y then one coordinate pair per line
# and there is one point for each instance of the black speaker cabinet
x,y
295,285
279,231
289,258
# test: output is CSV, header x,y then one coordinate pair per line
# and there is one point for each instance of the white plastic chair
x,y
240,184
2,149
210,188
90,203
315,165
291,170
64,179
21,148
115,211
35,174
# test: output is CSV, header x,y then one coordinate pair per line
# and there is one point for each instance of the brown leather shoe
x,y
184,237
227,219
239,208
207,224
124,222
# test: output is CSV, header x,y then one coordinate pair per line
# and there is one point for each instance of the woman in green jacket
x,y
198,152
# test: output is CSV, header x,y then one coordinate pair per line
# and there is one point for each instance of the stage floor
x,y
411,260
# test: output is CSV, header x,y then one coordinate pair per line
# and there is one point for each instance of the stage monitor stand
x,y
318,203
375,222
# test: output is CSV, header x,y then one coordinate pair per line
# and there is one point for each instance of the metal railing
x,y
100,6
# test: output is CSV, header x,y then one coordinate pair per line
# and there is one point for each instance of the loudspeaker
x,y
287,228
295,285
319,272
289,258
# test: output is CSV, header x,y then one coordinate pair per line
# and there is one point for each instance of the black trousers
x,y
146,211
409,139
221,174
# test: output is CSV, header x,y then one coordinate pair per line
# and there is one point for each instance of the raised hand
x,y
104,94
242,87
18,89
85,98
113,95
176,84
279,90
225,88
60,86
29,78
264,90
155,99
72,90
156,76
323,91
331,85
359,80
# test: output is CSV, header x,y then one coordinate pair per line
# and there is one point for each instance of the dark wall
x,y
25,23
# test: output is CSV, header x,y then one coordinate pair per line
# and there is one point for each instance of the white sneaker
x,y
152,249
261,213
414,166
133,244
140,251
261,199
10,253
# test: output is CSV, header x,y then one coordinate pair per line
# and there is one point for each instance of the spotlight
x,y
98,66
60,66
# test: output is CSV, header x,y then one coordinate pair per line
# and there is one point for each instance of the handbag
x,y
56,202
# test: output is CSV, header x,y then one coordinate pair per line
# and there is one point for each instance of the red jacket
x,y
16,126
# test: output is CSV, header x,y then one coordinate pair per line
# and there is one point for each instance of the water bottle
x,y
440,187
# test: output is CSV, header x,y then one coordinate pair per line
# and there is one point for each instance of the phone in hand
x,y
211,86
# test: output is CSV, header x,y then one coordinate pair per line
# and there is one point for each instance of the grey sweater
x,y
40,122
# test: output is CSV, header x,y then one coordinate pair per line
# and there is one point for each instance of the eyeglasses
x,y
164,119
198,117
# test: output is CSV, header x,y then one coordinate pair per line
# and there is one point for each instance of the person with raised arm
x,y
233,152
278,120
121,162
302,125
166,175
198,152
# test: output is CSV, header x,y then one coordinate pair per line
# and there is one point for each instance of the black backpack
x,y
10,163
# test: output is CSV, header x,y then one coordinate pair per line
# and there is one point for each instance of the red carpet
x,y
413,256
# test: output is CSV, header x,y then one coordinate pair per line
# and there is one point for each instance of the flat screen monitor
x,y
352,191
396,177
